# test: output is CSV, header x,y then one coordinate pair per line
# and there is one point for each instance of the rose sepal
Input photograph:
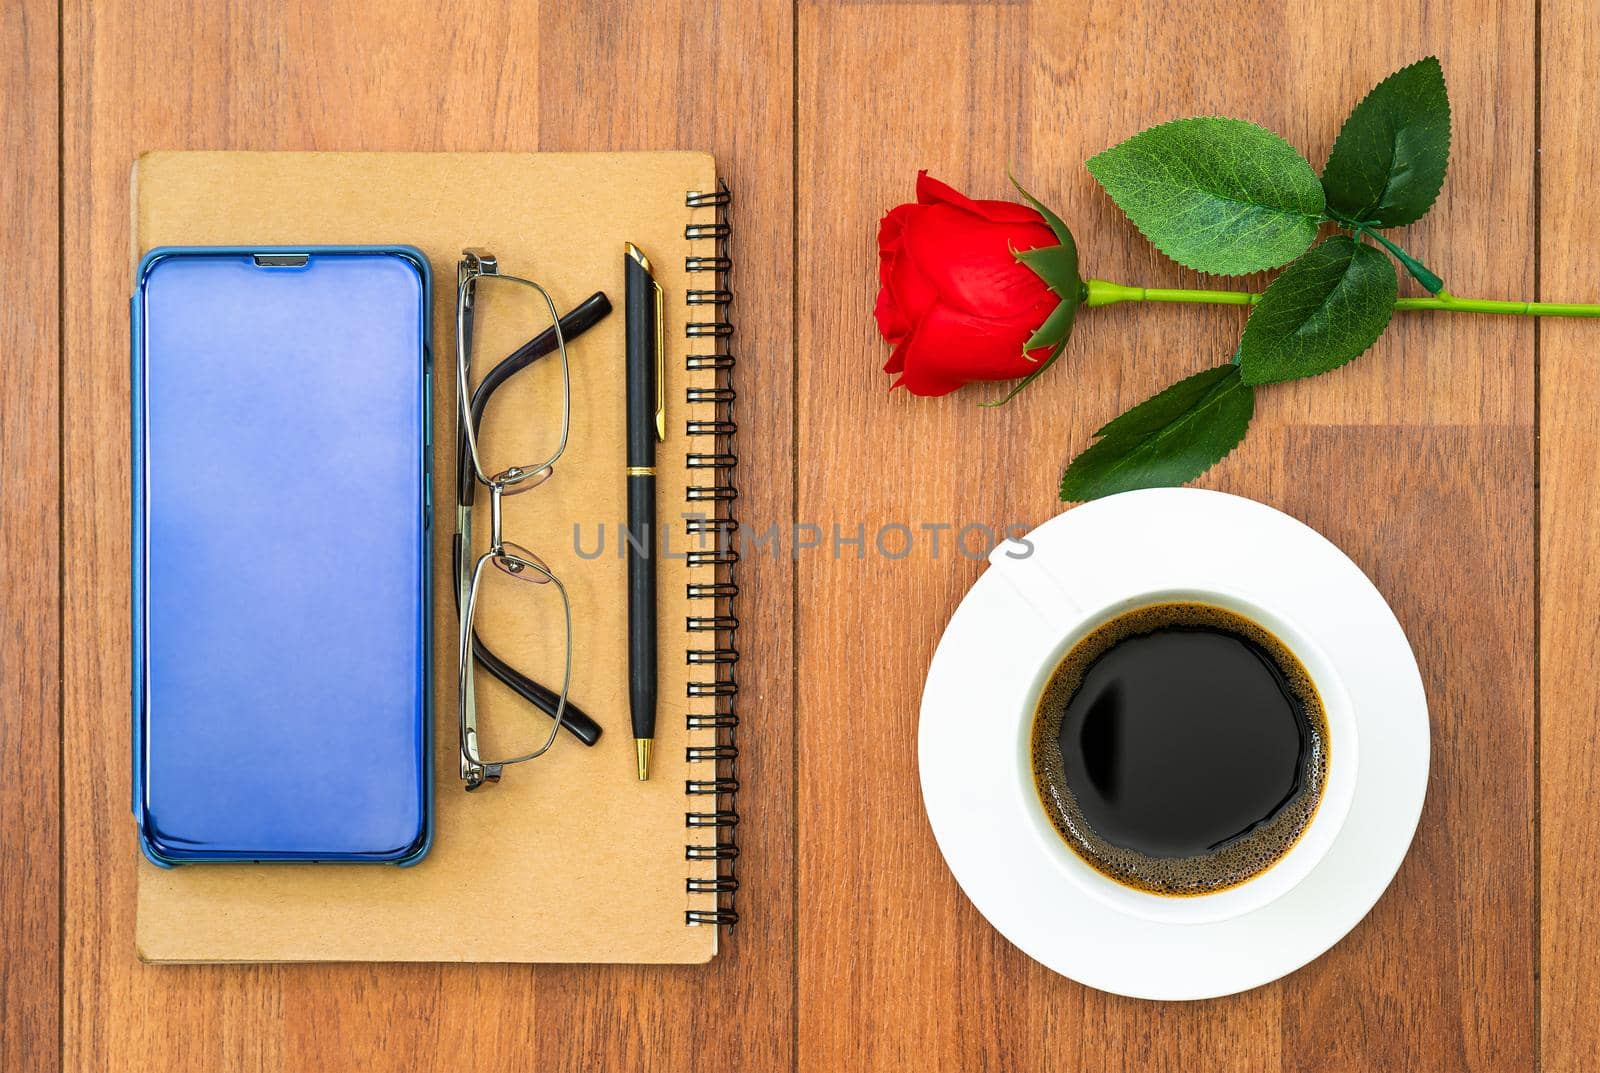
x,y
1057,266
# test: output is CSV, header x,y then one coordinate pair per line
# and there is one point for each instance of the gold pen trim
x,y
641,750
641,471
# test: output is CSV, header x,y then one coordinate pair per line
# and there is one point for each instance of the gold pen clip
x,y
661,364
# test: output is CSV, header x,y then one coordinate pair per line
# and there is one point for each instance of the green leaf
x,y
1388,163
1323,310
1218,195
1166,440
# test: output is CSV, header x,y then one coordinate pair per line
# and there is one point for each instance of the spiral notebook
x,y
569,858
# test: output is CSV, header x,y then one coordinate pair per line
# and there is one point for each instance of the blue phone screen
x,y
282,557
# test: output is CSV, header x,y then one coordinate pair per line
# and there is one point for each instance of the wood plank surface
x,y
416,77
1417,460
30,529
858,951
1569,568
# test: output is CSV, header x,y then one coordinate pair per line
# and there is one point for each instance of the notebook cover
x,y
569,858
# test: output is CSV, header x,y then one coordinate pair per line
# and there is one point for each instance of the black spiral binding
x,y
711,526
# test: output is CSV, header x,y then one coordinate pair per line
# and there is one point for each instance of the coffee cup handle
x,y
1037,585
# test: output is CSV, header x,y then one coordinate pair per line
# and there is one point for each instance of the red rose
x,y
955,302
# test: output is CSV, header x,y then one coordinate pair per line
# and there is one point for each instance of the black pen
x,y
647,423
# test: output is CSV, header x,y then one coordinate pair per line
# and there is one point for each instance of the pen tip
x,y
642,750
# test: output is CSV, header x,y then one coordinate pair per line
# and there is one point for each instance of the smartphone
x,y
282,607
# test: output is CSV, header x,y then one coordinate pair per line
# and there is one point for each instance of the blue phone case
x,y
282,604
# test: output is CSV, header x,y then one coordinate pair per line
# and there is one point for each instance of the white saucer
x,y
991,653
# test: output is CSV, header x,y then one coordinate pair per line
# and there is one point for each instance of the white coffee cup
x,y
1072,621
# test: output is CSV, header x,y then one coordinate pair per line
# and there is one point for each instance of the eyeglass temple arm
x,y
592,311
574,719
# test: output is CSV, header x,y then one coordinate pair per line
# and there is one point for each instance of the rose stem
x,y
1099,292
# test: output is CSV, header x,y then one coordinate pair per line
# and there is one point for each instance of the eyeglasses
x,y
491,308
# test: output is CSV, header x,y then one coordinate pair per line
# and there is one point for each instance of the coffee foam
x,y
1238,860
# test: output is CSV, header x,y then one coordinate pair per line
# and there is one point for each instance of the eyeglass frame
x,y
588,313
512,559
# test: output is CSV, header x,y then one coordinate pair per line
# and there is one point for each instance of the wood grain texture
x,y
417,76
1569,569
1419,460
1416,459
30,564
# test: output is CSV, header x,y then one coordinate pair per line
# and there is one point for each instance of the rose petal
x,y
914,293
893,313
971,263
931,191
897,360
921,381
892,225
949,348
892,324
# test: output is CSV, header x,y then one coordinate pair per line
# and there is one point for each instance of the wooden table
x,y
1454,463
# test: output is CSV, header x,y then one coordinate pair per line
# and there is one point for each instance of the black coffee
x,y
1180,748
